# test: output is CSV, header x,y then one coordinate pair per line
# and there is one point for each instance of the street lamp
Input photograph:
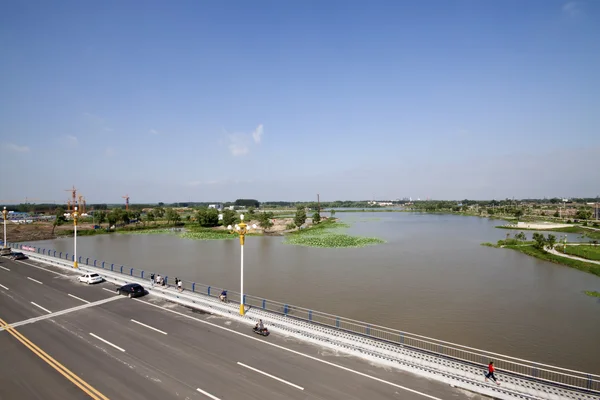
x,y
75,216
4,214
241,229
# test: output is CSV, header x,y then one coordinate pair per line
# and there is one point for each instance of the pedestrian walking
x,y
180,285
490,373
152,280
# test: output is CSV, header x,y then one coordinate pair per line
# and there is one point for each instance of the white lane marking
x,y
271,376
108,290
295,352
107,342
37,305
149,327
78,298
208,394
36,281
3,287
4,268
44,269
63,312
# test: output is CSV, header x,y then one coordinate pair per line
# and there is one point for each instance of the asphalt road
x,y
111,347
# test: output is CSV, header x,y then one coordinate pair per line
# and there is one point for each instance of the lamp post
x,y
4,214
241,229
75,216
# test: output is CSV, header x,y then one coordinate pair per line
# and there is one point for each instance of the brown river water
x,y
432,278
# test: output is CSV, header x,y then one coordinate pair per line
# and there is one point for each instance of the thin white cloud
x,y
257,134
72,140
239,143
17,149
572,8
154,132
109,152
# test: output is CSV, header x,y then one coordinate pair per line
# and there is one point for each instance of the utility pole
x,y
318,204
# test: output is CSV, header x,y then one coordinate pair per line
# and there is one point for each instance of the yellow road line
x,y
77,381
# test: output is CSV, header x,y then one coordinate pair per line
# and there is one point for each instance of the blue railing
x,y
523,368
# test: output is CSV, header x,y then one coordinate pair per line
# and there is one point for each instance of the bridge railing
x,y
452,351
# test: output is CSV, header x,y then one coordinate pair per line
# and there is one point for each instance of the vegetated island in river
x,y
328,233
550,248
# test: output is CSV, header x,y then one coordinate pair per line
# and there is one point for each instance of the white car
x,y
91,278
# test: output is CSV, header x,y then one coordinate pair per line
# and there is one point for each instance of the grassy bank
x,y
592,293
579,230
589,252
542,255
329,234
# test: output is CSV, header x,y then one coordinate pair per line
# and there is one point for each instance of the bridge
x,y
226,361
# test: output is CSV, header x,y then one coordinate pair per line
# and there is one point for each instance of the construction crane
x,y
73,199
126,197
81,204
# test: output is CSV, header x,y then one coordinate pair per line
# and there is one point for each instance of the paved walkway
x,y
556,253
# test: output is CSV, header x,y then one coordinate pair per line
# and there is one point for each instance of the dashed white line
x,y
295,352
149,327
38,306
107,342
271,376
36,281
3,287
208,394
108,290
78,298
4,268
44,269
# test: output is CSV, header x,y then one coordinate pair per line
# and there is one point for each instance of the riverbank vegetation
x,y
592,293
590,252
329,234
538,248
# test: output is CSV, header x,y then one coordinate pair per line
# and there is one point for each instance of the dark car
x,y
132,290
18,256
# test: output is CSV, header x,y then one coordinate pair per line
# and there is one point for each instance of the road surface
x,y
69,340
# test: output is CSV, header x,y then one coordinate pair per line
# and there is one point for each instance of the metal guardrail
x,y
523,368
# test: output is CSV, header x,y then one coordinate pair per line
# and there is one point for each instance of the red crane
x,y
126,197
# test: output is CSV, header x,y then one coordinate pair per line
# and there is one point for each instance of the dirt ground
x,y
37,231
43,230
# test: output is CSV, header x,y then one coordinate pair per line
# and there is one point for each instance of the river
x,y
432,278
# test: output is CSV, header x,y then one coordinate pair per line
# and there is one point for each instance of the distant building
x,y
216,206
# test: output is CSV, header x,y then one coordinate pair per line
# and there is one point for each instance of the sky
x,y
281,100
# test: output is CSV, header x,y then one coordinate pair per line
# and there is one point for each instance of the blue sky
x,y
280,100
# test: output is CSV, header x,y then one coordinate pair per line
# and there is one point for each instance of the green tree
x,y
171,215
583,214
332,213
100,217
551,241
125,217
556,214
316,217
150,216
264,220
112,219
229,217
540,241
518,213
251,210
300,217
59,218
159,212
207,217
521,236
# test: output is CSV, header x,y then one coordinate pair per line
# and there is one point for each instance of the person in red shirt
x,y
490,373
